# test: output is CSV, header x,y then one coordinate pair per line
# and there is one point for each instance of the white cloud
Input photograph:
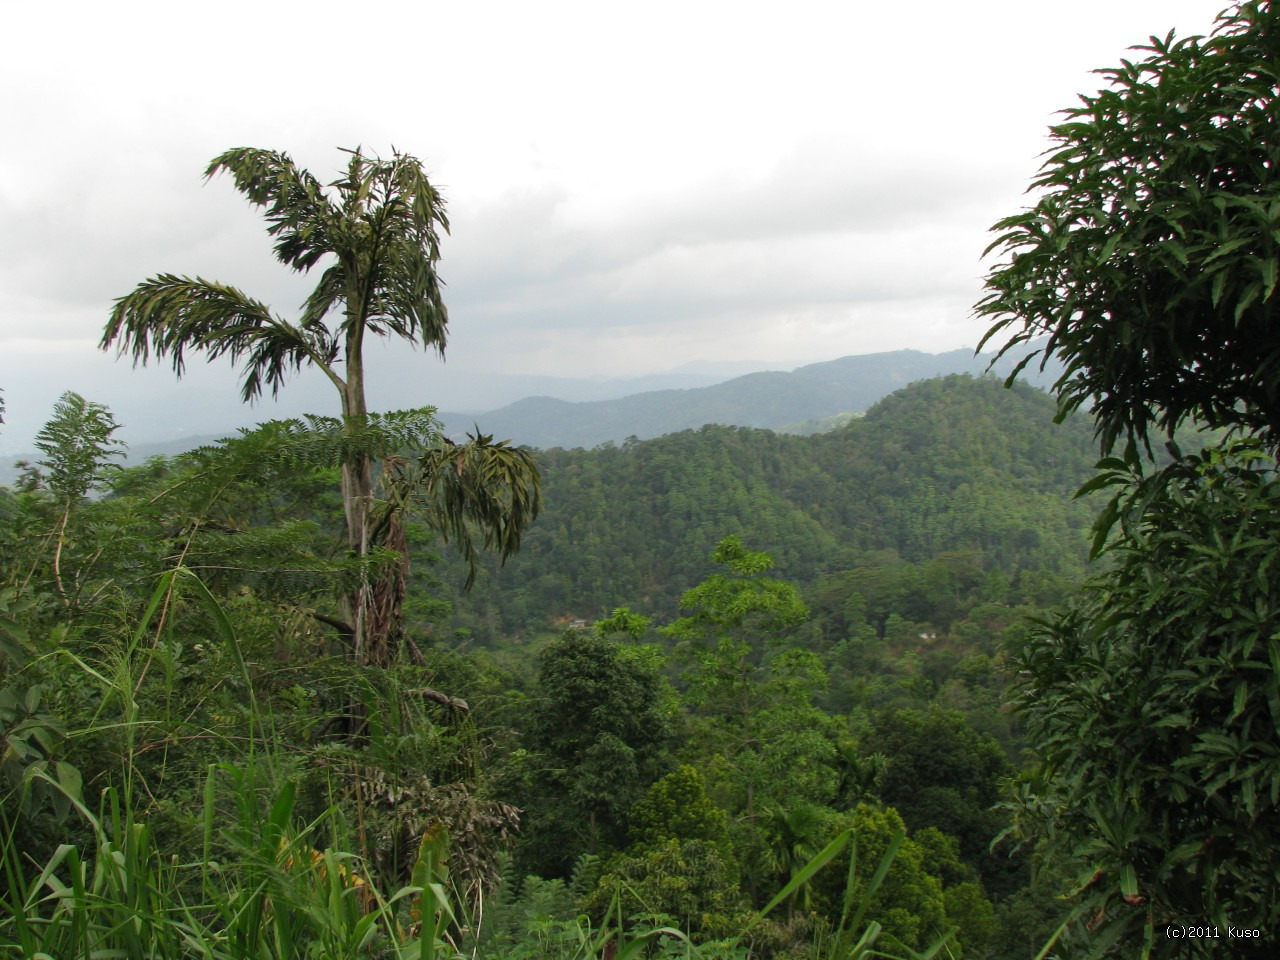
x,y
631,187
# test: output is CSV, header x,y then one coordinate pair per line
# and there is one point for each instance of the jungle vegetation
x,y
935,683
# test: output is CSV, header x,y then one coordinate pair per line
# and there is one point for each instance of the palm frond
x,y
329,292
298,211
390,243
480,486
169,315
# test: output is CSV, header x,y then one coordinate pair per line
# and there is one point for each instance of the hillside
x,y
859,682
944,465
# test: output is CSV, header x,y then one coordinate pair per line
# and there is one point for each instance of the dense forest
x,y
641,712
949,466
938,682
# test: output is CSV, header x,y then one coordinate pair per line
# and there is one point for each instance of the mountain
x,y
587,413
952,466
790,402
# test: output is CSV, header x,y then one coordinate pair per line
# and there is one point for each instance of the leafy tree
x,y
731,620
1151,264
793,840
377,238
1153,703
677,808
941,773
596,736
77,443
694,883
909,903
1151,258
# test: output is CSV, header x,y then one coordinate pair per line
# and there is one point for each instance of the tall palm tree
x,y
375,234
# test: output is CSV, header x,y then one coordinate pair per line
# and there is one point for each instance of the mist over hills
x,y
794,402
587,413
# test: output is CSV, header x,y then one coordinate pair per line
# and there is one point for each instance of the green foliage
x,y
622,621
272,896
77,443
32,744
176,675
906,900
942,773
596,735
677,808
947,466
1154,705
1150,263
691,883
1150,256
751,693
743,602
479,485
376,231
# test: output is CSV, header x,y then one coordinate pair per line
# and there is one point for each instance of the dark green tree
x,y
1150,262
596,738
1153,701
942,773
1151,257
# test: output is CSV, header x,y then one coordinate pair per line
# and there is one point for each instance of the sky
x,y
634,188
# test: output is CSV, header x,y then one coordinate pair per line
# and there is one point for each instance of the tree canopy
x,y
1151,257
1150,262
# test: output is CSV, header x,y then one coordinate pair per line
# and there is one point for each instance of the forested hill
x,y
792,402
943,466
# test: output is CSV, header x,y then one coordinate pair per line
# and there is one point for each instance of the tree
x,y
78,445
1151,263
942,773
1153,703
730,620
1151,259
376,235
597,732
908,904
677,808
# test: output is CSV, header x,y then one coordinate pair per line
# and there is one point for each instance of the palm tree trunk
x,y
357,495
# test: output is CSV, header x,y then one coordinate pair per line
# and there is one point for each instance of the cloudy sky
x,y
634,188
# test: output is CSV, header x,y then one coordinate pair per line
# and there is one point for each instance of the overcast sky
x,y
633,187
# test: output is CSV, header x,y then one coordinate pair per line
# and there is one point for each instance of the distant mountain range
x,y
810,399
806,400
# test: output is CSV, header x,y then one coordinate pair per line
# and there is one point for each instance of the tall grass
x,y
259,888
275,897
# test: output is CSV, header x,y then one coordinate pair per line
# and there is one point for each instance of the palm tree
x,y
792,843
375,232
